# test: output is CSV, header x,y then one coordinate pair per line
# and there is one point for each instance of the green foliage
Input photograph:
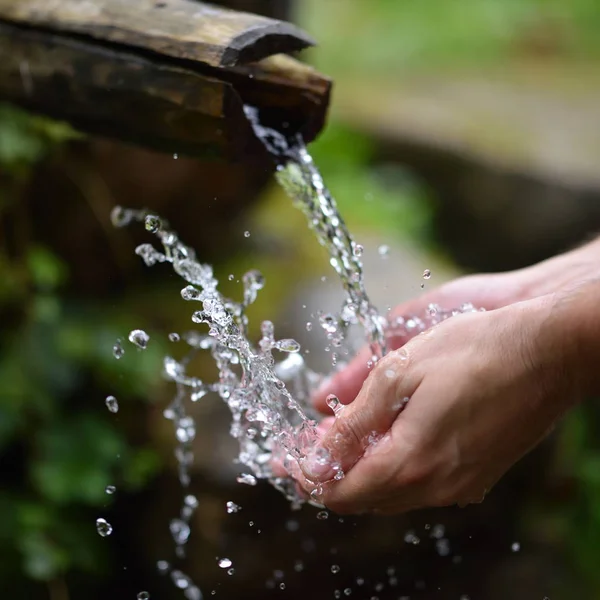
x,y
579,455
25,139
59,444
385,200
378,37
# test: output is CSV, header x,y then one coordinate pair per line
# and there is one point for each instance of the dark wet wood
x,y
178,28
172,105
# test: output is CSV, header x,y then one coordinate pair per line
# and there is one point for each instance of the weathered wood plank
x,y
178,28
173,106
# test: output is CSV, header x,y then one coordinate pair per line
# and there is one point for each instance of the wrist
x,y
559,273
573,328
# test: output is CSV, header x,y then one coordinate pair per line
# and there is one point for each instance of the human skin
x,y
484,389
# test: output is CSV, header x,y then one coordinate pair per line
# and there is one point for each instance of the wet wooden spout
x,y
172,75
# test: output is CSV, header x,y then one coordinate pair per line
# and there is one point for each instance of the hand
x,y
483,291
484,388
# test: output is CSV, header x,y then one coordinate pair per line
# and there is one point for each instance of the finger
x,y
387,479
377,405
346,383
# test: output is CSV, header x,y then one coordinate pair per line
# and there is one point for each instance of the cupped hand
x,y
440,420
483,291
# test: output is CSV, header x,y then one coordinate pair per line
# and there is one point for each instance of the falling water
x,y
265,383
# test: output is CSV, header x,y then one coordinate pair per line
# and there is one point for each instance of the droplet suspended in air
x,y
357,249
232,507
426,274
335,569
103,527
112,404
118,350
515,547
322,515
175,156
383,250
174,337
152,223
143,596
334,404
247,479
224,563
110,489
246,234
139,338
288,345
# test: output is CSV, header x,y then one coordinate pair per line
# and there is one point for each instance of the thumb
x,y
372,413
346,383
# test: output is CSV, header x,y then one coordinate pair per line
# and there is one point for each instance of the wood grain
x,y
183,29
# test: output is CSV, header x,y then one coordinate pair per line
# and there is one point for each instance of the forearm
x,y
562,272
574,323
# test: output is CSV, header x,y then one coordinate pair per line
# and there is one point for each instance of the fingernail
x,y
317,466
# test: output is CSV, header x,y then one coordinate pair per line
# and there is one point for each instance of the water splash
x,y
265,383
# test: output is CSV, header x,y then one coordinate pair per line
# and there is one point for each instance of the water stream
x,y
265,383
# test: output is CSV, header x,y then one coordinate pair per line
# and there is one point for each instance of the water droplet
x,y
443,547
112,404
247,479
246,234
118,350
120,217
139,337
191,501
357,249
411,538
322,515
335,569
174,337
175,156
309,326
437,532
298,566
334,404
143,596
230,277
288,345
110,489
152,223
180,531
348,591
383,250
162,566
232,507
230,571
189,292
224,563
426,274
103,527
515,547
292,525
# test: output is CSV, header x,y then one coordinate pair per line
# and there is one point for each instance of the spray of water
x,y
265,383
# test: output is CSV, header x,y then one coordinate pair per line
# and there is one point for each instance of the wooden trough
x,y
172,75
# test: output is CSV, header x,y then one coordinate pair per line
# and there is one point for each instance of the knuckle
x,y
349,428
